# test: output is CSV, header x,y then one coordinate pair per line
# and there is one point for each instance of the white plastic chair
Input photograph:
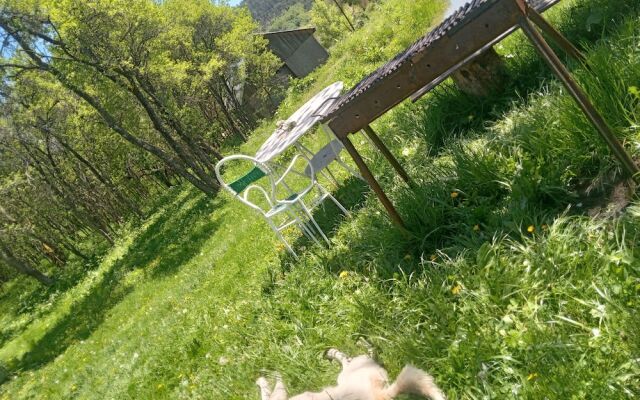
x,y
292,207
328,154
309,173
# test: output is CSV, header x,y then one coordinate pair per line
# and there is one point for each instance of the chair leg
x,y
308,231
331,136
337,203
282,239
352,171
326,172
303,227
287,245
313,221
324,192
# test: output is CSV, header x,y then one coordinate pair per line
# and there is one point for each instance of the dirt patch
x,y
608,198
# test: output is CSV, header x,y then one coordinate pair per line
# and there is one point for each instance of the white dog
x,y
361,379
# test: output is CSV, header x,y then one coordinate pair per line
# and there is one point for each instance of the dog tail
x,y
414,381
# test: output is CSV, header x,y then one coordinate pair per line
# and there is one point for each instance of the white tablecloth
x,y
299,123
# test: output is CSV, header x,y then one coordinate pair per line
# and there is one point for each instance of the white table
x,y
305,118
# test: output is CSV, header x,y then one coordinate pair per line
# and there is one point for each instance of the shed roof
x,y
285,43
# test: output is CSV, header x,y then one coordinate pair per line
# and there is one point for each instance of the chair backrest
x,y
242,186
325,156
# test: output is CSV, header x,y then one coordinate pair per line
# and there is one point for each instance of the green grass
x,y
198,301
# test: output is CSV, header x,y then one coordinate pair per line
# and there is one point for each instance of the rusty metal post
x,y
387,154
557,37
368,176
580,97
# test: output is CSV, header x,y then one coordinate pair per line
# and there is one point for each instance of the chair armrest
x,y
290,169
261,190
302,193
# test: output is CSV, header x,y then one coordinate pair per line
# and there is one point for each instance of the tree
x,y
294,17
150,71
329,22
104,104
7,258
266,11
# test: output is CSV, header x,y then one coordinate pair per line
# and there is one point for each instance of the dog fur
x,y
361,378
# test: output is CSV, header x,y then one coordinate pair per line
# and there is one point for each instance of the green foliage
x,y
266,12
294,17
330,24
101,101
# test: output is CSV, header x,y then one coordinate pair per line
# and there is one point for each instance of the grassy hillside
x,y
508,286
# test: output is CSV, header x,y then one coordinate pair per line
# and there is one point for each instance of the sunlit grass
x,y
504,288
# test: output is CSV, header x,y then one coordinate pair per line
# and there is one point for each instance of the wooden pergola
x,y
458,41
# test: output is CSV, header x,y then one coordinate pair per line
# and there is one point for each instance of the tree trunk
x,y
237,108
104,179
225,111
8,259
482,76
201,157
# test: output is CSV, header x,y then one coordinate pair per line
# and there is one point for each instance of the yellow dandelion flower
x,y
532,376
74,387
280,247
454,195
531,229
344,274
476,228
160,386
456,289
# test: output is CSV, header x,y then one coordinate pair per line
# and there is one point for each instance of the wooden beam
x,y
387,154
373,183
580,97
555,35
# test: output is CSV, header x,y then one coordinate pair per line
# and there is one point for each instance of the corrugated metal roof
x,y
458,18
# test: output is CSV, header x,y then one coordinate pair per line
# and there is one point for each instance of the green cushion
x,y
241,184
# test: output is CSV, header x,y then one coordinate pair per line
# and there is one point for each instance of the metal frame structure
x,y
461,38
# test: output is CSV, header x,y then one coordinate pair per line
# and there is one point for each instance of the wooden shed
x,y
298,49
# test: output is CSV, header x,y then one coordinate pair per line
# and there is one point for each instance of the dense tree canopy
x,y
265,11
106,102
293,17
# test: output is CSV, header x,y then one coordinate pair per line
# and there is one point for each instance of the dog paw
x,y
262,382
330,354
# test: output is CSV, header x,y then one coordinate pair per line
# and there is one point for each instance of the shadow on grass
x,y
351,194
449,113
169,242
25,299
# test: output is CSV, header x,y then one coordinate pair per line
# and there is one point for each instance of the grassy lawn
x,y
506,287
